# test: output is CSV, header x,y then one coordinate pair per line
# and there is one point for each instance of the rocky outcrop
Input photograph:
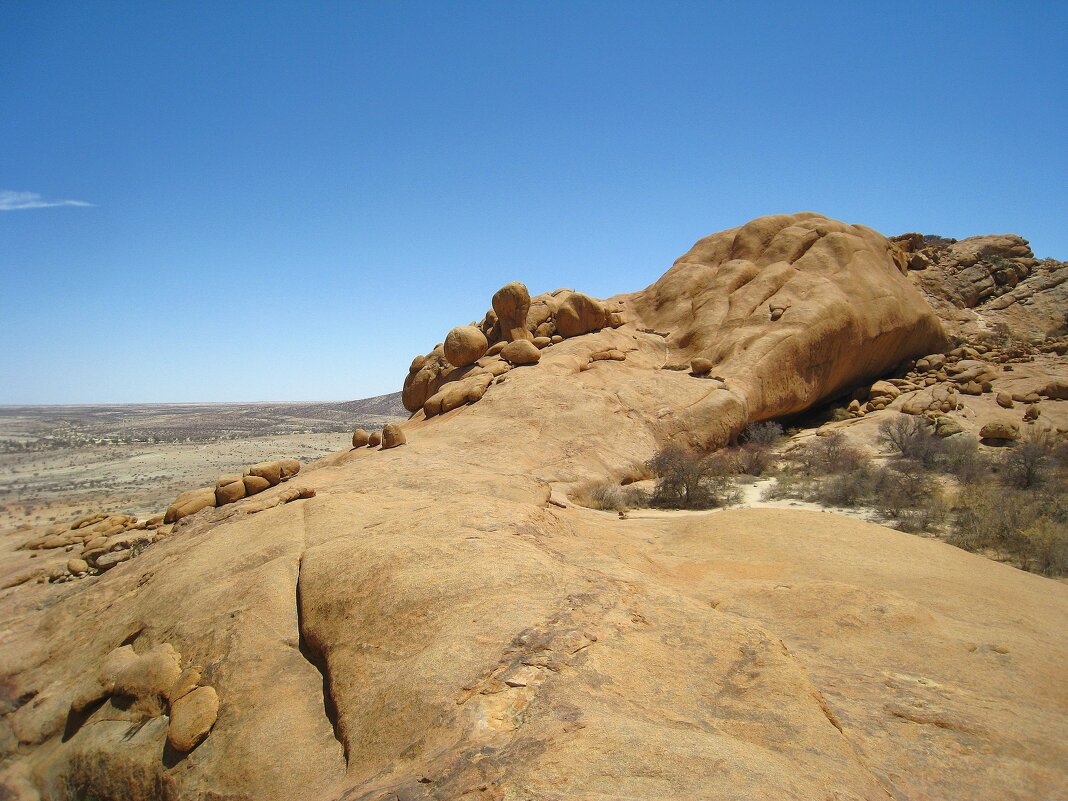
x,y
996,277
437,624
849,314
790,310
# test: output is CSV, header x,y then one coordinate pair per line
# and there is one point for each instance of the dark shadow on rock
x,y
75,720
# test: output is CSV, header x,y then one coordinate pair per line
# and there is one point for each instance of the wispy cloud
x,y
14,201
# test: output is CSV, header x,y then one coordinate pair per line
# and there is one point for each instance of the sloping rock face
x,y
429,624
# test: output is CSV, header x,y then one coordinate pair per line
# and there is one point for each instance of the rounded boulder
x,y
192,717
254,484
701,366
359,438
511,303
521,351
228,493
1001,431
392,436
465,345
579,314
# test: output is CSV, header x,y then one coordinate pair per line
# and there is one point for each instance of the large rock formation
x,y
435,622
788,311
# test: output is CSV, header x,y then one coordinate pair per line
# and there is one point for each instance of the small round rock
x,y
392,436
701,366
521,351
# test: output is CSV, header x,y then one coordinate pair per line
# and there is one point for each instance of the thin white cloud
x,y
14,201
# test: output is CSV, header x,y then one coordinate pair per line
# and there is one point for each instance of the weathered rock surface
x,y
430,626
850,315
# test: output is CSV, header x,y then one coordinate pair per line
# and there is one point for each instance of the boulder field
x,y
437,621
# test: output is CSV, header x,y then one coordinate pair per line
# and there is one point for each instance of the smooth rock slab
x,y
109,560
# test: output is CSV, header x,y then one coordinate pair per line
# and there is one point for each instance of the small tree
x,y
1026,464
911,436
830,455
767,434
689,480
755,455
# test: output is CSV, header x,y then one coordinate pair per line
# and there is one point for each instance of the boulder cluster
x,y
155,683
98,542
513,333
935,384
390,436
230,488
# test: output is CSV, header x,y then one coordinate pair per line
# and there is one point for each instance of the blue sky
x,y
289,201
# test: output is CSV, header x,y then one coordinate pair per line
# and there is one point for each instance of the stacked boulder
x,y
99,542
230,488
512,334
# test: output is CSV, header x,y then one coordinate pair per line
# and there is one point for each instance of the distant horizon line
x,y
200,403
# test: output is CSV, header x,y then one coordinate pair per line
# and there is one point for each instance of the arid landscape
x,y
790,522
58,462
579,401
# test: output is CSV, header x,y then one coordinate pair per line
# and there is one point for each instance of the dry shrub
x,y
831,454
847,490
690,479
608,496
962,460
753,459
1026,525
912,437
1029,462
767,434
1047,546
